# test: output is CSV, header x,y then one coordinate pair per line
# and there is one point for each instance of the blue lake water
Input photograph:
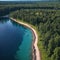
x,y
15,41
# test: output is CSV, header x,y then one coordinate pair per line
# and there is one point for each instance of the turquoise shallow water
x,y
25,49
15,41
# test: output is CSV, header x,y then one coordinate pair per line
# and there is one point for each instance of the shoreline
x,y
35,52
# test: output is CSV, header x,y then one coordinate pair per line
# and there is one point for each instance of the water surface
x,y
15,41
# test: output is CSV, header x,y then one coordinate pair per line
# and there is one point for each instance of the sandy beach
x,y
37,53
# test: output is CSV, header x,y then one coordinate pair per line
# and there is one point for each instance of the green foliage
x,y
56,55
51,47
57,41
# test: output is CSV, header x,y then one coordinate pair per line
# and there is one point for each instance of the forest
x,y
46,21
8,7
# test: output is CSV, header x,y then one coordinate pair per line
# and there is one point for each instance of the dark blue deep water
x,y
15,41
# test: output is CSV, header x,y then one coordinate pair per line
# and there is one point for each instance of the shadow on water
x,y
11,37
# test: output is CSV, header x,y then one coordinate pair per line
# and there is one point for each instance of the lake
x,y
15,41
